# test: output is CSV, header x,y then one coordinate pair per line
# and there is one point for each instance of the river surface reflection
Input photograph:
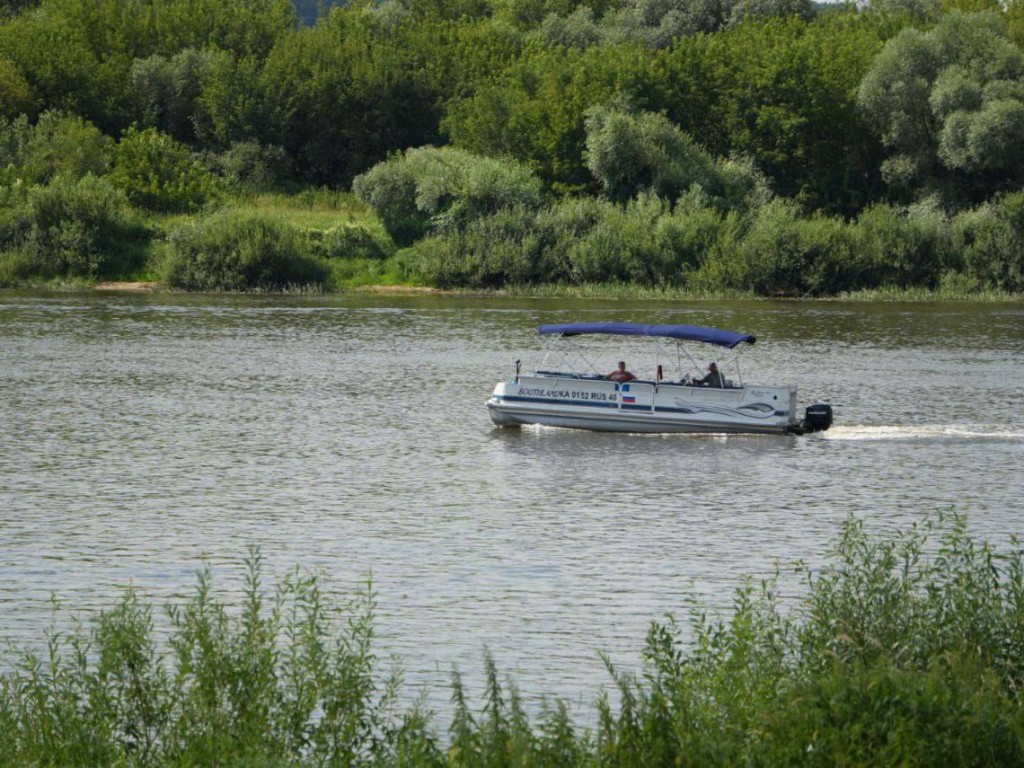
x,y
143,434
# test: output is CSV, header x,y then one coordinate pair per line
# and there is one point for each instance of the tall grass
x,y
289,675
617,290
904,650
950,290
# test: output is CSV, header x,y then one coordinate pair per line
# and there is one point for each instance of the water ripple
x,y
143,436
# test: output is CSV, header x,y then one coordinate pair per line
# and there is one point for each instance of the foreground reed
x,y
907,649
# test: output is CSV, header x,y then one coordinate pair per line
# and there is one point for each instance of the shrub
x,y
905,247
225,252
630,153
577,240
688,234
991,239
350,242
490,252
70,228
773,250
442,189
831,262
758,252
255,165
623,245
905,650
168,93
296,680
515,246
56,144
901,650
160,174
15,92
560,229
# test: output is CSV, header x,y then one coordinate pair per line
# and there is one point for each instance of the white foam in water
x,y
925,431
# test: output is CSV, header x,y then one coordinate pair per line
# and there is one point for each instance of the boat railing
x,y
729,383
568,375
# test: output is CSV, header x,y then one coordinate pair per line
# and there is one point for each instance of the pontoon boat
x,y
591,400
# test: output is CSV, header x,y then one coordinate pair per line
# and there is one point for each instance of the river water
x,y
142,435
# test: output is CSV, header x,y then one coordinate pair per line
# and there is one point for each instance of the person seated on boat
x,y
621,374
712,379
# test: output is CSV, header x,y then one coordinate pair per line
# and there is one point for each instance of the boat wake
x,y
926,432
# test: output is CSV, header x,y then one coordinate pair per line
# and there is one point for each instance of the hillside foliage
x,y
788,130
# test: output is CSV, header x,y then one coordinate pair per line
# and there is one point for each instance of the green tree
x,y
159,173
78,55
535,111
948,105
442,189
770,9
71,227
233,99
913,10
629,153
528,14
971,6
14,7
577,30
169,91
55,145
15,93
343,95
657,23
786,97
62,70
1015,21
990,239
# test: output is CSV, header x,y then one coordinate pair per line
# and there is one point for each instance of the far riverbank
x,y
610,292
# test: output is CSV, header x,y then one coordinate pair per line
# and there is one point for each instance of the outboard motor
x,y
817,418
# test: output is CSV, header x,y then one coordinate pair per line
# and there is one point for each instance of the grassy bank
x,y
613,291
480,236
76,233
315,240
904,650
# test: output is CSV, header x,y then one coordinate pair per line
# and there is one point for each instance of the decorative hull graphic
x,y
752,411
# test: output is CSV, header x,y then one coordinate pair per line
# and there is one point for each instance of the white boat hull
x,y
599,404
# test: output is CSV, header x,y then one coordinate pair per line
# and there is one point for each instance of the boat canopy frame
x,y
714,336
701,333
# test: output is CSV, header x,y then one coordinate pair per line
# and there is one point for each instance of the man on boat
x,y
621,374
712,379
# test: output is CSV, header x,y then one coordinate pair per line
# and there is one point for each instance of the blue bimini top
x,y
716,336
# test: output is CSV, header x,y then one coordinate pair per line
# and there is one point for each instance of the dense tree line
x,y
831,120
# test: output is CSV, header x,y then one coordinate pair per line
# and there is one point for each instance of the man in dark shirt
x,y
712,379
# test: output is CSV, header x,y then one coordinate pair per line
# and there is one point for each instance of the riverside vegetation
x,y
765,147
906,649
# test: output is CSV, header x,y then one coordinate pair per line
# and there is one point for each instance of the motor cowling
x,y
817,418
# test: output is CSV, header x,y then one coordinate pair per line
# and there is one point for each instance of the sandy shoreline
x,y
148,287
136,287
399,289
